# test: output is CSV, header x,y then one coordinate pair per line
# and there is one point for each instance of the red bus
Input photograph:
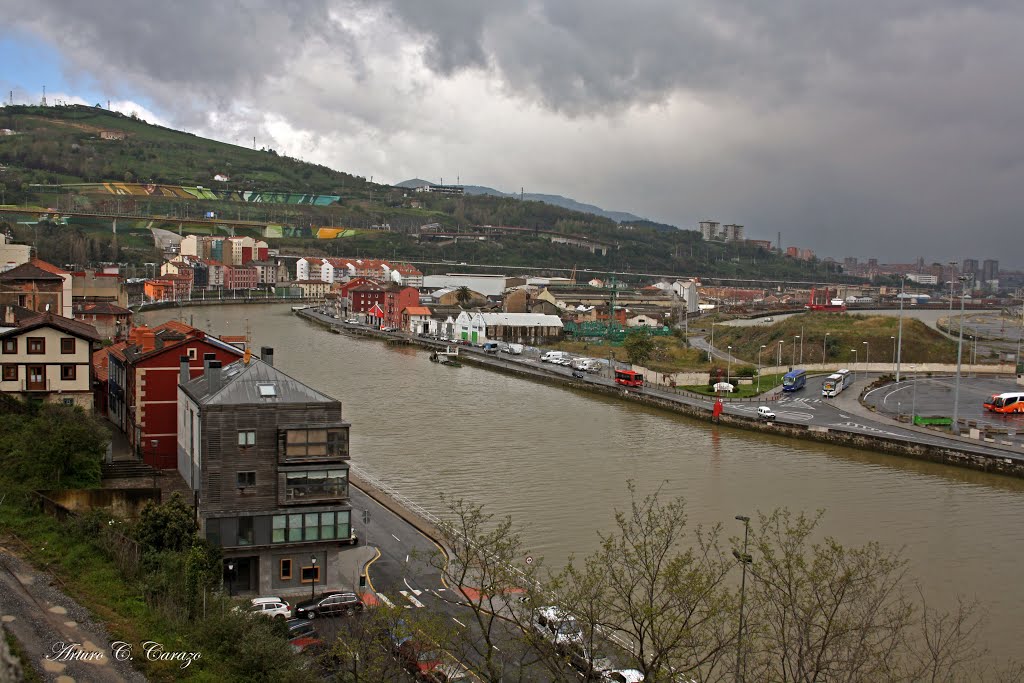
x,y
629,378
1010,402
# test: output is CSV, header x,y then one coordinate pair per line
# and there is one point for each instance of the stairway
x,y
127,469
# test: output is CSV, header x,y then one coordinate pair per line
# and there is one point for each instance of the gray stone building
x,y
267,459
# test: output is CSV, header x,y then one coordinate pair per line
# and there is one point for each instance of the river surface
x,y
557,460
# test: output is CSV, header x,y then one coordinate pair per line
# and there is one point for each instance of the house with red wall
x,y
396,299
142,384
364,296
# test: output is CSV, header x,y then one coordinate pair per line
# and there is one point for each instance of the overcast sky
x,y
885,128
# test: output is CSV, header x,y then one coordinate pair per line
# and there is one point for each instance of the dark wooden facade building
x,y
267,458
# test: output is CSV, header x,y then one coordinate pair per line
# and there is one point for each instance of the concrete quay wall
x,y
946,454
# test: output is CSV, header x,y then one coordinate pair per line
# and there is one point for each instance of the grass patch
x,y
768,382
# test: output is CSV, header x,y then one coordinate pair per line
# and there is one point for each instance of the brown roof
x,y
417,310
100,308
101,363
75,327
30,271
48,267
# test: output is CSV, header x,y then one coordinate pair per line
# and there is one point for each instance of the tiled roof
x,y
48,267
29,271
75,327
417,310
101,363
100,308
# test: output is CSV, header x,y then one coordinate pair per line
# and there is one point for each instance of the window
x,y
69,401
36,345
311,574
10,345
10,372
68,372
246,479
67,344
246,438
193,354
311,526
267,390
316,484
245,531
286,570
316,443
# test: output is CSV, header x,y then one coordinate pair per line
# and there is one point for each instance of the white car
x,y
765,413
623,676
557,627
271,607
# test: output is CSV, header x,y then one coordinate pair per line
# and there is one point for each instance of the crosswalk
x,y
409,598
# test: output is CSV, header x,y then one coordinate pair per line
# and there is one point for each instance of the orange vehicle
x,y
1010,402
629,378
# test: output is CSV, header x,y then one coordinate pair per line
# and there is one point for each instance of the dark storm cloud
x,y
849,126
182,54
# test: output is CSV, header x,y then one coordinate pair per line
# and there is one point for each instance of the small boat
x,y
450,356
299,308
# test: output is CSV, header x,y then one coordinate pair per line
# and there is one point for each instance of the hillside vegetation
x,y
53,146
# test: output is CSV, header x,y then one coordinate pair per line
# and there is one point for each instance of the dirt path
x,y
60,639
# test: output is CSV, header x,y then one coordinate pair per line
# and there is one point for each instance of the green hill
x,y
51,149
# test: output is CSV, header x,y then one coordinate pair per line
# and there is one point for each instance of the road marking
x,y
458,622
865,428
411,598
384,599
845,417
407,559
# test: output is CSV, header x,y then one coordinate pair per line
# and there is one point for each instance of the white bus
x,y
835,383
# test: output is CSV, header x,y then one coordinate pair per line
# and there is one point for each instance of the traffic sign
x,y
529,559
366,516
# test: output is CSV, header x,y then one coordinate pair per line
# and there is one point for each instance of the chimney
x,y
184,375
213,378
267,355
207,357
147,339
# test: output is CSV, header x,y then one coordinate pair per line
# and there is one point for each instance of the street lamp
x,y
899,334
728,366
824,349
955,426
312,590
778,362
866,349
231,579
763,347
743,558
795,337
854,352
893,353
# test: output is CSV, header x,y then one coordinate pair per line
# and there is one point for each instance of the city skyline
x,y
844,128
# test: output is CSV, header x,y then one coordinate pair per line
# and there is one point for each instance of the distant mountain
x,y
553,199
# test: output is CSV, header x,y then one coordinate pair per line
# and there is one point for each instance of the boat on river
x,y
299,308
450,356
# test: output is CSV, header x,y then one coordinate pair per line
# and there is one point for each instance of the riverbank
x,y
940,450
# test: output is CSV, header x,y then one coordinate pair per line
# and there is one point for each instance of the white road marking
x,y
411,598
864,428
383,598
396,538
458,622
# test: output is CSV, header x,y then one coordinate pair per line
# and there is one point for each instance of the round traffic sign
x,y
529,559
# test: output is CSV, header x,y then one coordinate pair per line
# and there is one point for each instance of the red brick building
x,y
363,296
240,277
396,299
142,384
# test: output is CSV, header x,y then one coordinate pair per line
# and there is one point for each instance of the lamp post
x,y
778,363
893,354
824,349
231,579
795,337
899,334
312,590
712,347
955,426
744,558
866,349
728,366
854,352
763,347
801,345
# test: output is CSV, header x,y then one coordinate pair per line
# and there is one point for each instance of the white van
x,y
579,363
765,413
515,349
552,356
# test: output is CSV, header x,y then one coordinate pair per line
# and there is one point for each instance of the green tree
x,y
638,345
58,447
463,295
170,526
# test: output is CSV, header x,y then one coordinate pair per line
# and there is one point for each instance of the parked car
x,y
353,321
590,663
578,374
418,656
298,628
450,672
557,627
271,607
765,413
329,604
623,676
306,645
